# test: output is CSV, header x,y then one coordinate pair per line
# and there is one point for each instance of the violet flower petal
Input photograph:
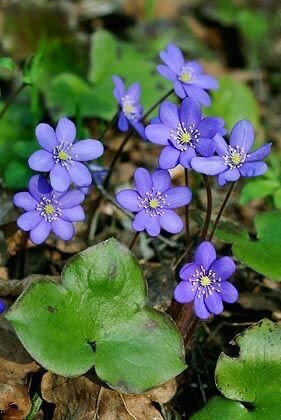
x,y
221,145
143,181
119,90
186,156
74,214
171,222
179,90
205,147
228,292
190,112
123,123
46,136
158,133
39,234
63,229
80,174
205,255
205,81
188,270
71,199
178,197
253,169
173,58
128,199
166,72
41,161
260,153
29,220
229,175
169,157
183,292
140,221
195,67
224,267
208,166
153,226
197,93
134,91
59,177
38,186
200,308
88,149
25,201
65,130
210,126
213,303
161,180
169,115
242,135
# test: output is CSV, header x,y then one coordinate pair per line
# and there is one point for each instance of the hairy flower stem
x,y
209,208
11,100
109,126
22,256
129,135
187,226
221,211
134,240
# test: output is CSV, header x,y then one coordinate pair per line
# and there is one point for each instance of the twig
x,y
134,240
11,100
209,208
98,403
126,407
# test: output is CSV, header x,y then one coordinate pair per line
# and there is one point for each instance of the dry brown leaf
x,y
79,398
15,364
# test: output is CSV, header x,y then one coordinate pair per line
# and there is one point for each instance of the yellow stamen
x,y
205,281
128,108
236,158
185,77
153,203
63,155
49,209
185,138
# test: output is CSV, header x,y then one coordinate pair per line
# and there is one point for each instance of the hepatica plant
x,y
97,316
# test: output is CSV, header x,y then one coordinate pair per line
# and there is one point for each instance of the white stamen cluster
x,y
62,154
186,75
129,108
49,209
154,203
185,137
235,158
205,282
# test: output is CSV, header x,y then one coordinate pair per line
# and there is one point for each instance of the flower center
x,y
185,137
154,203
129,108
205,282
235,158
186,74
62,154
49,209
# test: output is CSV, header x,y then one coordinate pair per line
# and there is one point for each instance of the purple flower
x,y
62,157
153,201
188,77
2,306
204,282
234,159
183,132
47,210
130,109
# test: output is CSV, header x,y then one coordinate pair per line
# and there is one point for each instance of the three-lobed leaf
x,y
252,378
98,317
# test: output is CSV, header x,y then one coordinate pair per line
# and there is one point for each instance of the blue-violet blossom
x,y
204,282
2,306
62,157
234,159
153,201
187,76
183,132
47,210
130,110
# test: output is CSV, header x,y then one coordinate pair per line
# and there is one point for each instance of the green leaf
x,y
252,378
7,63
263,254
98,317
234,101
277,198
102,55
16,175
257,189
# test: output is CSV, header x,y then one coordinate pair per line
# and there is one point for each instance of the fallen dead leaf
x,y
81,399
15,364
